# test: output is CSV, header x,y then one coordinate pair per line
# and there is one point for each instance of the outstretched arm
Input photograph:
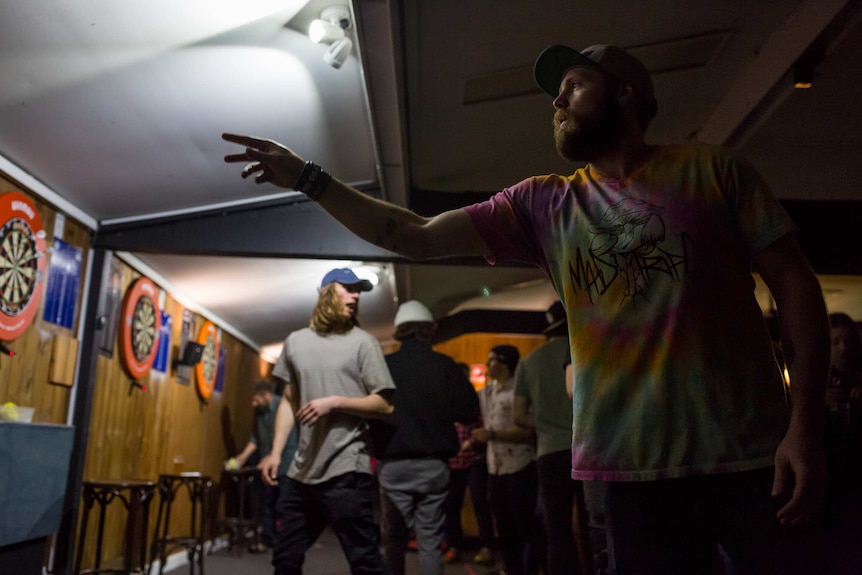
x,y
243,455
384,224
799,460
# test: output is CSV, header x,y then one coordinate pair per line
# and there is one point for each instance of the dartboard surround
x,y
207,370
22,263
141,319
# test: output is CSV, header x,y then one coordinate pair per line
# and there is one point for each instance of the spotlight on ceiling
x,y
331,25
337,54
330,28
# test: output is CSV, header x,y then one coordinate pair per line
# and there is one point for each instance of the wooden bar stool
x,y
197,487
240,527
135,497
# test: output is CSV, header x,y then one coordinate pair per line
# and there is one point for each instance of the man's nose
x,y
560,102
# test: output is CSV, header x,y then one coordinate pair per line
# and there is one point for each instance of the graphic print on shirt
x,y
626,246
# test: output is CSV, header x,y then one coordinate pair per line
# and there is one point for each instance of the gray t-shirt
x,y
351,365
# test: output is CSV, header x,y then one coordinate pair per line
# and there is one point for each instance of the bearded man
x,y
265,406
678,406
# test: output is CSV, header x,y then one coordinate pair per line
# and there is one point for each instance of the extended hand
x,y
267,160
309,413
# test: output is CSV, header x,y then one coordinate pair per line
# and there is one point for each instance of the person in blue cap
x,y
678,406
335,379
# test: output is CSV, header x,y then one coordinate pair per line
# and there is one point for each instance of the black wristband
x,y
312,181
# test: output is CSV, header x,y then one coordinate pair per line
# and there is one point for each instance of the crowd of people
x,y
443,436
707,461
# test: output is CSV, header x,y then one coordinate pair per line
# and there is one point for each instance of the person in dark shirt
x,y
265,406
414,445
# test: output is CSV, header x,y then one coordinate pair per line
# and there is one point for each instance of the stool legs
x,y
88,505
135,496
242,482
197,487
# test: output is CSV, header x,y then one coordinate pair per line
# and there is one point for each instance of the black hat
x,y
508,355
554,61
556,316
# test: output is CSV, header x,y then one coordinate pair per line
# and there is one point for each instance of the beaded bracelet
x,y
312,181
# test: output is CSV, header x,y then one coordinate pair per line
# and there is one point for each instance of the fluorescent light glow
x,y
370,273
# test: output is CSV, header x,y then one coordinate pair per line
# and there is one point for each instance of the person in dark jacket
x,y
414,445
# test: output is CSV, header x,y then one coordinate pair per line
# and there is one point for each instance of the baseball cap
x,y
345,276
508,355
556,317
555,60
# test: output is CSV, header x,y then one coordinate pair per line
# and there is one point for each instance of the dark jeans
x,y
343,503
476,478
675,526
513,500
558,494
268,505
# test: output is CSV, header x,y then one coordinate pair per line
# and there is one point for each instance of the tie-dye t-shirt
x,y
674,371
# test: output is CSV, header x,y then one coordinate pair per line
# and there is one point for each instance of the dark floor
x,y
324,558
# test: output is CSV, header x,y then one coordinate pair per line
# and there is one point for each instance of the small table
x,y
135,496
239,526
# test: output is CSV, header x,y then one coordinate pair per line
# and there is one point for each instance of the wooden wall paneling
x,y
137,435
131,436
64,355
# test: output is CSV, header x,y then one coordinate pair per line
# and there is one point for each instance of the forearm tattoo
x,y
386,239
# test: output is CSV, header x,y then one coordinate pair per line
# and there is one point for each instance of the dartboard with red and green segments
x,y
22,263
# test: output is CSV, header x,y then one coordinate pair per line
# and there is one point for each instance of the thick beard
x,y
588,137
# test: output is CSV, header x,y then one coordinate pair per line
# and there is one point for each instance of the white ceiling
x,y
112,111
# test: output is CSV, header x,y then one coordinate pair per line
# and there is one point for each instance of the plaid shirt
x,y
466,457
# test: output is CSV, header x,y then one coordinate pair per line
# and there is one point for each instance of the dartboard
x,y
141,319
207,369
22,263
144,328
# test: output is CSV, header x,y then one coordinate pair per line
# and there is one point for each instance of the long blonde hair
x,y
328,317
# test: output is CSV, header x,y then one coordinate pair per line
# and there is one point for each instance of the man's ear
x,y
626,94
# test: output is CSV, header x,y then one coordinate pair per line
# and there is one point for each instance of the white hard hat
x,y
413,311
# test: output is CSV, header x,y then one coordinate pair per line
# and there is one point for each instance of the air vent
x,y
658,57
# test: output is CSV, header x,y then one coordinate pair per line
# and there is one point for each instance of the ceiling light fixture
x,y
330,28
803,75
336,55
804,68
